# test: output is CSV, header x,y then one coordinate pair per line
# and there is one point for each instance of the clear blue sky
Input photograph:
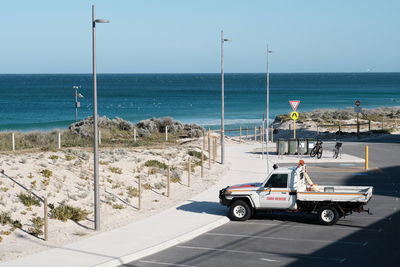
x,y
174,36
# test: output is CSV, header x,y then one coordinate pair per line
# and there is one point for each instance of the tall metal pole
x,y
76,103
267,107
222,100
95,129
95,126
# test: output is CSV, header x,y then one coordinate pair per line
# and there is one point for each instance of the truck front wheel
x,y
328,215
239,211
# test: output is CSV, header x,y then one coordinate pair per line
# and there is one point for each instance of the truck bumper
x,y
222,198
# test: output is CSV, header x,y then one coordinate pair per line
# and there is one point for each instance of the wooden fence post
x,y
46,221
134,135
240,134
59,140
168,181
272,134
255,134
189,170
140,193
215,149
247,132
382,122
202,155
369,125
99,137
13,141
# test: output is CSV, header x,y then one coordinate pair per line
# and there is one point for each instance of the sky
x,y
183,36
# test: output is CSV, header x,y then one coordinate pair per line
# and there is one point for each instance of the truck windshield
x,y
277,180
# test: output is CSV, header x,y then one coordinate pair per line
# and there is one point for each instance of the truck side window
x,y
277,180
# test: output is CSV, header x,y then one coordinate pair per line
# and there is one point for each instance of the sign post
x,y
294,115
358,110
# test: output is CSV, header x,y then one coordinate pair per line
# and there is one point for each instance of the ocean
x,y
47,101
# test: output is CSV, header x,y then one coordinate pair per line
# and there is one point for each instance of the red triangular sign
x,y
294,104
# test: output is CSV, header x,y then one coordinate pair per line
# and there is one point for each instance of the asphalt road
x,y
292,239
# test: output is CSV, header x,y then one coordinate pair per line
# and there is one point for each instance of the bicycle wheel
x,y
319,153
335,153
313,152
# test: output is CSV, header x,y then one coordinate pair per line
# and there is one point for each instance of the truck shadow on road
x,y
212,208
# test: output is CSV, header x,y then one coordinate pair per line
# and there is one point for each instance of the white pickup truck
x,y
287,189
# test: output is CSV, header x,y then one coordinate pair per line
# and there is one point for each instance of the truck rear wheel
x,y
328,215
239,211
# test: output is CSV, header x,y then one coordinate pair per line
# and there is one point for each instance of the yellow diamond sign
x,y
294,115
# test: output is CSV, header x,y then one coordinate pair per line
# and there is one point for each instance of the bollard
x,y
46,221
13,141
140,193
240,134
134,135
168,181
366,157
59,140
166,133
189,169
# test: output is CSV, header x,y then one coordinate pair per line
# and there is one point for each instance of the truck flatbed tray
x,y
337,194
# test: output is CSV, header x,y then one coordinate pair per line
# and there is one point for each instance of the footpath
x,y
198,215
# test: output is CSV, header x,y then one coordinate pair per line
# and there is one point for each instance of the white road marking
x,y
296,256
290,239
264,259
166,263
315,226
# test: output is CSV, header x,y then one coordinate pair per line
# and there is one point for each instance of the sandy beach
x,y
65,177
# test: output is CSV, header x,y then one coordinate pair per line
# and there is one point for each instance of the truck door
x,y
275,192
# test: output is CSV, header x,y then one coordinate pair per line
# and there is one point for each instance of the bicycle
x,y
337,150
317,150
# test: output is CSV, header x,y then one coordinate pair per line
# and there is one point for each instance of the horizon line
x,y
90,73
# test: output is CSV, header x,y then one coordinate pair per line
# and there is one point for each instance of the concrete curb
x,y
164,245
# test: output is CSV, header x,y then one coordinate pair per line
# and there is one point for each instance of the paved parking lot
x,y
282,239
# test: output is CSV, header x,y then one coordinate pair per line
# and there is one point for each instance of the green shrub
x,y
175,180
37,224
69,157
66,212
53,157
118,206
196,154
16,224
147,186
5,218
5,232
155,163
28,200
115,170
132,191
46,173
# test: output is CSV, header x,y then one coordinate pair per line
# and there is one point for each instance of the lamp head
x,y
101,21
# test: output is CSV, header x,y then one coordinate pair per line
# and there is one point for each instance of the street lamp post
x,y
95,126
222,99
267,107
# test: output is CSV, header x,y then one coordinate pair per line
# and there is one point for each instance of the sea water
x,y
47,101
